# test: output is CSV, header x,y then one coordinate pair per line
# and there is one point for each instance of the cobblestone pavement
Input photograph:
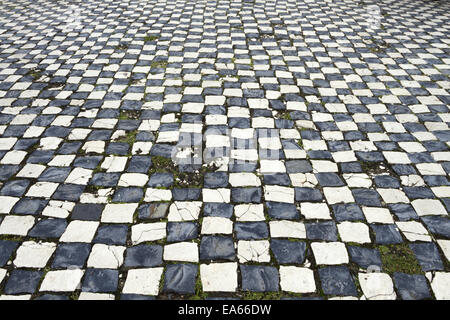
x,y
311,141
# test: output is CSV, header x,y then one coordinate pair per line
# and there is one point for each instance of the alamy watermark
x,y
70,19
218,145
373,17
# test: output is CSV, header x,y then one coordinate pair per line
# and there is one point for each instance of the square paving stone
x,y
87,211
251,230
48,228
6,250
386,182
23,281
114,234
162,150
366,197
71,255
186,194
180,278
131,194
298,166
153,210
54,174
15,188
279,210
224,210
286,251
329,180
143,256
139,164
308,195
100,280
241,166
118,148
412,286
30,206
418,193
428,256
217,247
68,192
350,167
321,231
403,211
105,179
87,162
259,278
246,195
437,225
337,281
181,231
348,212
281,179
160,180
6,171
215,180
364,257
386,234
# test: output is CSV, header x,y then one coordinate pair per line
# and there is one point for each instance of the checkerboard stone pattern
x,y
313,147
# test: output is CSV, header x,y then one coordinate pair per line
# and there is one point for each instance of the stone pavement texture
x,y
311,141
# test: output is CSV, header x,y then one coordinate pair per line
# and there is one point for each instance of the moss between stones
x,y
399,258
129,138
150,38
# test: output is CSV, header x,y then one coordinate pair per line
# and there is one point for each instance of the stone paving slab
x,y
290,149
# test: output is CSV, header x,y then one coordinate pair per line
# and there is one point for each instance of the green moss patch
x,y
399,258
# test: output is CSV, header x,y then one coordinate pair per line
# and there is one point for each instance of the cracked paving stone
x,y
377,286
